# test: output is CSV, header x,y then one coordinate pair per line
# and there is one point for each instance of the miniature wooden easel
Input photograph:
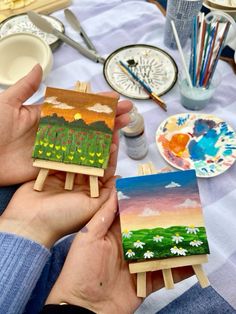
x,y
70,169
165,265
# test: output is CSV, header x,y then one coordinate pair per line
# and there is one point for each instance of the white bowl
x,y
18,55
230,12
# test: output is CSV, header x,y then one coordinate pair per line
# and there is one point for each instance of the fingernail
x,y
113,148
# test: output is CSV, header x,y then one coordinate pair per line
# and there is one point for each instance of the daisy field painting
x,y
161,216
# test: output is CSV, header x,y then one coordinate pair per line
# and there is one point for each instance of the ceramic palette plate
x,y
197,141
151,64
21,23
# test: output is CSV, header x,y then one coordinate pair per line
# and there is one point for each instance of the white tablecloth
x,y
115,23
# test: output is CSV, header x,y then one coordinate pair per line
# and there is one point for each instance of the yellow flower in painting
x,y
41,142
40,152
72,153
58,156
101,161
48,154
57,147
91,161
79,150
45,144
92,154
63,148
71,157
51,145
98,154
82,158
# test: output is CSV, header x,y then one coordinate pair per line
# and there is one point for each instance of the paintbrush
x,y
146,88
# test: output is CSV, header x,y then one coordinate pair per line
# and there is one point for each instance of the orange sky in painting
x,y
73,102
165,216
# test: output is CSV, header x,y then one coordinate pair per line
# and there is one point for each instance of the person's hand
x,y
95,274
18,127
48,215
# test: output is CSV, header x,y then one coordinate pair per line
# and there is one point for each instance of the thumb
x,y
24,88
101,222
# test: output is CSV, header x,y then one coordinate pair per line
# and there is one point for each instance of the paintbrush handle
x,y
157,101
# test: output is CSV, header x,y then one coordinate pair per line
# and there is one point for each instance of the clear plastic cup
x,y
197,98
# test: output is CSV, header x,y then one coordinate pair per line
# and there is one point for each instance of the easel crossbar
x,y
167,263
53,165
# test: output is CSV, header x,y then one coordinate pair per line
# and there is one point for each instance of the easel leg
x,y
38,185
94,190
69,183
168,279
202,278
141,285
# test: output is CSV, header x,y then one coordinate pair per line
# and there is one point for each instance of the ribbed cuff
x,y
21,264
64,309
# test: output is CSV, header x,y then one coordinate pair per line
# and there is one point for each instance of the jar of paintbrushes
x,y
201,78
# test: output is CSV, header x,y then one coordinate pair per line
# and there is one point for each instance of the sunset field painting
x,y
75,128
161,216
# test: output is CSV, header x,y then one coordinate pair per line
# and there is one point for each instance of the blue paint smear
x,y
199,150
227,152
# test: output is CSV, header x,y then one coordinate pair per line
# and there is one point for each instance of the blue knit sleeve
x,y
21,263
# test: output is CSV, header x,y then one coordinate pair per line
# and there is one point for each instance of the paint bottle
x,y
134,135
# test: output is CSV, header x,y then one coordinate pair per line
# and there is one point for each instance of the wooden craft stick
x,y
69,183
83,87
168,278
202,278
42,176
141,285
94,188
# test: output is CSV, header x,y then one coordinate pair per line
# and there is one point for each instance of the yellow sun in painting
x,y
77,116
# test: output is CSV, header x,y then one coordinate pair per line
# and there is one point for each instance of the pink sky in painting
x,y
142,212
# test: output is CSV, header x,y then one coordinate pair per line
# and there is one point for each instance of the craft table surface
x,y
115,23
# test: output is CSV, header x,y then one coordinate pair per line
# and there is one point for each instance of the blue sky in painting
x,y
157,184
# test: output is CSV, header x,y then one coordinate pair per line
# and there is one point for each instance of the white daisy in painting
x,y
139,244
177,238
148,254
158,238
174,250
196,243
192,229
178,251
126,234
182,251
130,253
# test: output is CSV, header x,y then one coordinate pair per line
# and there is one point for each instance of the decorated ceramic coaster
x,y
22,24
197,141
151,64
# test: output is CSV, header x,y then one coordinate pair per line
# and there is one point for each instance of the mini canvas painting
x,y
75,128
161,216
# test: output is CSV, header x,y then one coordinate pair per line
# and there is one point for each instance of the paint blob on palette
x,y
161,216
75,128
197,141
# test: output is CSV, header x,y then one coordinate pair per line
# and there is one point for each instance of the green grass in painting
x,y
162,249
80,146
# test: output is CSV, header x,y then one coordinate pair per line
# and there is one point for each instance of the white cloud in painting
x,y
122,196
189,204
149,212
172,185
63,106
57,104
100,108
